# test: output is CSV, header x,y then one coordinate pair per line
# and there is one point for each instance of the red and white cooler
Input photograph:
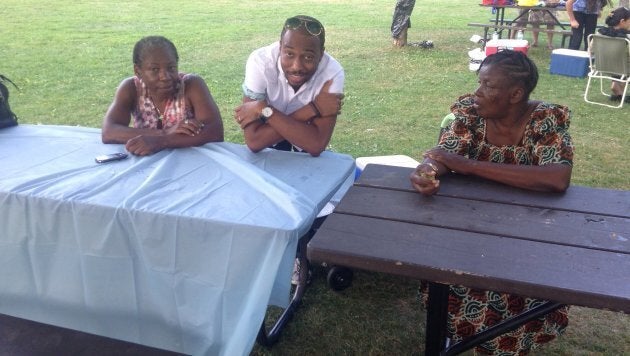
x,y
493,46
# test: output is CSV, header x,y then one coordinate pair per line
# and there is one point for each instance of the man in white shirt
x,y
292,92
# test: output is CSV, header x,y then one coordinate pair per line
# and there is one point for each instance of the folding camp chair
x,y
609,61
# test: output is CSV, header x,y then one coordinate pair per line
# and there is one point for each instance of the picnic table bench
x,y
562,24
509,27
27,337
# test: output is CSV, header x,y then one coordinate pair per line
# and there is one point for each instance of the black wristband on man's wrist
x,y
317,113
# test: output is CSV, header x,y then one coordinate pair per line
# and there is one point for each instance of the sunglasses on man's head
x,y
312,26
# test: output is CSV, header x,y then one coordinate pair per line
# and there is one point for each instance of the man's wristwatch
x,y
267,111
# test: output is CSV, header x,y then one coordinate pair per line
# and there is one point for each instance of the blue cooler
x,y
569,62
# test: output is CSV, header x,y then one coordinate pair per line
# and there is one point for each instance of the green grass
x,y
69,56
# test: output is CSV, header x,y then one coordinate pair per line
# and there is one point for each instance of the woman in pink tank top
x,y
170,109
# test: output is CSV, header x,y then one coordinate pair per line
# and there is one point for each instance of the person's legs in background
x,y
550,37
590,25
401,21
577,33
535,28
535,17
550,20
521,21
616,89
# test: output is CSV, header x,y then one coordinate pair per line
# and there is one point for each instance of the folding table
x,y
181,250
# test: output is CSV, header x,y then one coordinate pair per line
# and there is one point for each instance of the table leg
x,y
437,317
498,20
498,16
502,12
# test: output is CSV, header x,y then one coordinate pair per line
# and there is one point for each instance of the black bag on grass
x,y
7,117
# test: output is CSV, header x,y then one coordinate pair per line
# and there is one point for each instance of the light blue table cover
x,y
182,250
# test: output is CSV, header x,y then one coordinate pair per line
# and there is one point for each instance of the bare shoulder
x,y
127,87
127,82
125,94
195,84
193,79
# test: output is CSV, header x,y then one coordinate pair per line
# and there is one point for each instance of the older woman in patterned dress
x,y
499,133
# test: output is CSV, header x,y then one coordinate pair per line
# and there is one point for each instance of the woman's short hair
x,y
517,67
614,18
150,42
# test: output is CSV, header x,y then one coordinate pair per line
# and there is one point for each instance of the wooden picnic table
x,y
500,13
569,248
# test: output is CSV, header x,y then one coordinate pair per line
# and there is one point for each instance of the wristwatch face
x,y
267,112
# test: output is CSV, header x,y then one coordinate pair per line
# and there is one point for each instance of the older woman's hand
x,y
423,179
452,161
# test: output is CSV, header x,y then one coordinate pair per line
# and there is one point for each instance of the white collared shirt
x,y
264,79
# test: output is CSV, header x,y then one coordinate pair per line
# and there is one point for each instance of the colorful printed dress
x,y
546,140
146,115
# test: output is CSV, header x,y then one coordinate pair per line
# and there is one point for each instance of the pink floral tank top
x,y
146,114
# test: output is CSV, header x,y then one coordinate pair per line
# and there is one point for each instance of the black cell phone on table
x,y
110,157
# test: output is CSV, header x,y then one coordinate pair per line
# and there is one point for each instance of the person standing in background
x,y
583,16
536,18
520,22
402,21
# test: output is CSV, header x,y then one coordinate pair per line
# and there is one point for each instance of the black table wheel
x,y
339,278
